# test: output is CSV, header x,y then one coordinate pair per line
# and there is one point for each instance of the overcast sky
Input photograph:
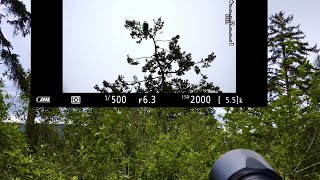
x,y
306,13
96,43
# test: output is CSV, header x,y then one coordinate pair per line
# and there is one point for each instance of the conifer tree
x,y
16,14
289,66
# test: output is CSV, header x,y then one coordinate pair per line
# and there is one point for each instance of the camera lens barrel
x,y
242,164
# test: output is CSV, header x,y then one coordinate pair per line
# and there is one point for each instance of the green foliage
x,y
3,105
315,89
16,162
122,143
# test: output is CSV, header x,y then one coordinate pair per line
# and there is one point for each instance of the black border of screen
x,y
46,60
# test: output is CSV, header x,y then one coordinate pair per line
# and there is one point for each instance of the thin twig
x,y
311,156
163,40
163,49
142,57
302,159
308,167
310,174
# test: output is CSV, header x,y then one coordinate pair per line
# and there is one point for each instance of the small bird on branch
x,y
145,28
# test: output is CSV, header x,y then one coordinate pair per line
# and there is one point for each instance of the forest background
x,y
163,143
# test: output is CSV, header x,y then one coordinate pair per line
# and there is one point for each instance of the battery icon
x,y
43,99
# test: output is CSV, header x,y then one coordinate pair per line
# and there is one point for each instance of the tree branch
x,y
163,40
135,82
157,60
310,174
163,49
142,57
308,167
305,153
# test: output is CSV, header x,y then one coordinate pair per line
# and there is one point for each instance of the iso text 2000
x,y
200,99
